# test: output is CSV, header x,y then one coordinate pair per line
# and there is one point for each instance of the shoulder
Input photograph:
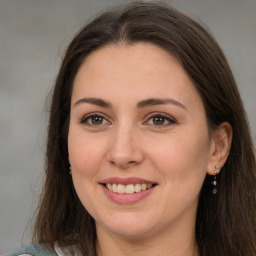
x,y
33,250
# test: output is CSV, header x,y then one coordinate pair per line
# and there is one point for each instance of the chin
x,y
129,227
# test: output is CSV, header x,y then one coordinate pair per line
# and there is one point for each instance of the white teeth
x,y
120,189
114,188
144,186
109,186
128,189
137,188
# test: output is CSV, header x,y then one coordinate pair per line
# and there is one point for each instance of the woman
x,y
149,149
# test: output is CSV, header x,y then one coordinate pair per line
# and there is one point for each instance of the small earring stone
x,y
70,170
214,182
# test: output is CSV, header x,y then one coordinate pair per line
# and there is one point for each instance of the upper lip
x,y
126,181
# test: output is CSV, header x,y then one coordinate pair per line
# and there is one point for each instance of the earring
x,y
70,170
214,182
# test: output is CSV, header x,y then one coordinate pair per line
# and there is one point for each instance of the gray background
x,y
33,37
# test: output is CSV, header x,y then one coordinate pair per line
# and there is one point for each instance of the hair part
x,y
226,223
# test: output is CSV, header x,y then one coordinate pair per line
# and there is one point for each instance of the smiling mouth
x,y
128,189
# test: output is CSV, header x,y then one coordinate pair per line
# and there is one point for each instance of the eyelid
x,y
171,119
90,115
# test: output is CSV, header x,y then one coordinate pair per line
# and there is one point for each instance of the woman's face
x,y
138,141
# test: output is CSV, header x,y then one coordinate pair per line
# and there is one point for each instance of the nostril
x,y
121,163
131,162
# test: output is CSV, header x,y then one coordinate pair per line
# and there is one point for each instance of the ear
x,y
221,139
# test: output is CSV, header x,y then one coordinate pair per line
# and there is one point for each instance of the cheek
x,y
85,156
183,158
85,152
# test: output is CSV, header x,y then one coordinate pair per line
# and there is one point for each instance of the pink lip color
x,y
127,198
126,181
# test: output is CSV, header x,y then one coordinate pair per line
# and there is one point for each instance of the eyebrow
x,y
94,101
157,101
144,103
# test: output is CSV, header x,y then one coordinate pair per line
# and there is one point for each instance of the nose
x,y
124,150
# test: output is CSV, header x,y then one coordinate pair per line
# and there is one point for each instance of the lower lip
x,y
127,198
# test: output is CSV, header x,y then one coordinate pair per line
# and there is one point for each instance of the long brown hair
x,y
226,222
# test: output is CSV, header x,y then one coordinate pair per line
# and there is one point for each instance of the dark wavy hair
x,y
226,222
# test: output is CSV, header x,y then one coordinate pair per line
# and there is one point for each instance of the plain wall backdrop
x,y
33,38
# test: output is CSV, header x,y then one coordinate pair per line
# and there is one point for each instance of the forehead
x,y
140,70
145,57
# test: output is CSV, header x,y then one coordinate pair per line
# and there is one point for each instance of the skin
x,y
174,151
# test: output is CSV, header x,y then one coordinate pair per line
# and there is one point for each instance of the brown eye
x,y
94,119
161,120
158,120
97,120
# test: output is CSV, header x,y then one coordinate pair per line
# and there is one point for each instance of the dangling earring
x,y
214,182
70,170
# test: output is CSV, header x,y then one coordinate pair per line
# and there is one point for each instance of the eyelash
x,y
85,119
164,117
